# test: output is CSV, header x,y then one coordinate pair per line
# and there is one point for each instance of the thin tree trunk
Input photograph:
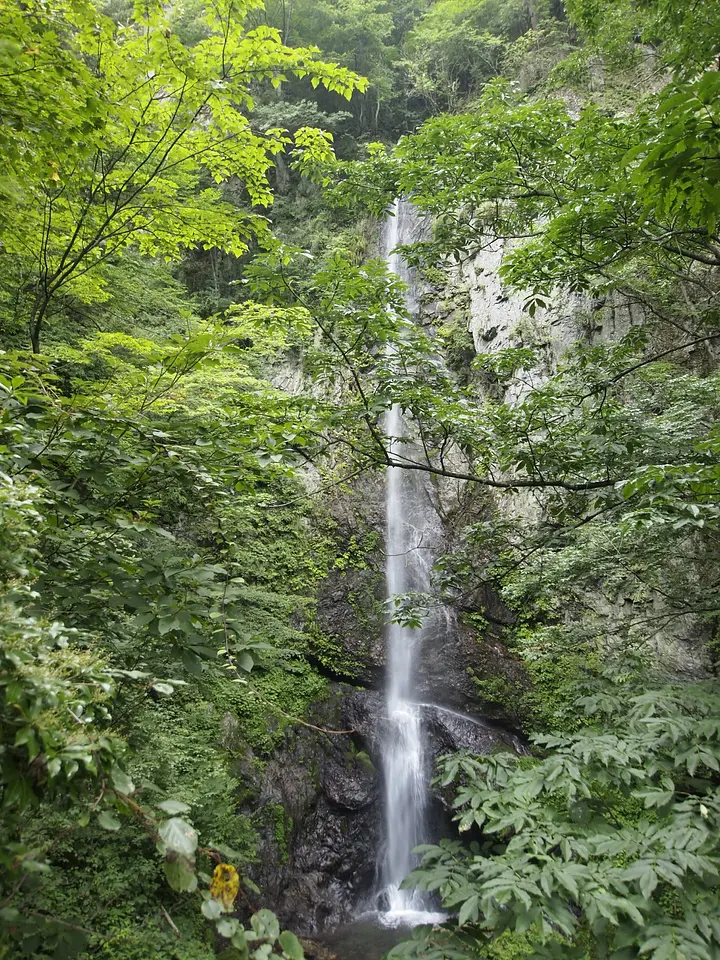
x,y
35,322
287,16
533,11
282,174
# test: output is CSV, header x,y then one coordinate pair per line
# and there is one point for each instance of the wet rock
x,y
322,866
449,731
364,712
350,614
316,951
351,785
289,783
446,730
453,655
330,869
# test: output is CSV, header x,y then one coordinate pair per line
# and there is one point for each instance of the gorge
x,y
351,840
332,522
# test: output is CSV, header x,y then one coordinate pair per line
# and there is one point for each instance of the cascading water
x,y
409,520
404,760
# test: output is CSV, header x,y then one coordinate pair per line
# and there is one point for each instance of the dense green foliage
x,y
167,257
147,563
112,128
612,834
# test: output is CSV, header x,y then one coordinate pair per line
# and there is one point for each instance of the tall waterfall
x,y
410,519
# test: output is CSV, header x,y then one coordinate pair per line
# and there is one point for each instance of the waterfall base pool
x,y
370,936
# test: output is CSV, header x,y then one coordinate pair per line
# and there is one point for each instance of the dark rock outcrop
x,y
446,730
449,731
321,865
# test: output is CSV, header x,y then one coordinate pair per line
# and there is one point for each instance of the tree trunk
x,y
35,321
533,11
287,15
282,174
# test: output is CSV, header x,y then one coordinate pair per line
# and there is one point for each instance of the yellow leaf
x,y
225,884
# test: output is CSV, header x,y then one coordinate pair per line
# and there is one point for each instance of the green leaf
x,y
179,835
241,945
173,806
648,882
469,909
30,865
108,822
262,952
250,884
245,662
192,663
265,924
211,909
121,781
181,875
227,927
291,946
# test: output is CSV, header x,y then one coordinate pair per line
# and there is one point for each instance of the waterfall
x,y
404,760
410,520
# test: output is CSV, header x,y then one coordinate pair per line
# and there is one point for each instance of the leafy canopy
x,y
115,133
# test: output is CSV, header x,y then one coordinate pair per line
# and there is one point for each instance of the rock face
x,y
323,824
452,654
446,730
351,612
322,794
350,604
496,318
450,731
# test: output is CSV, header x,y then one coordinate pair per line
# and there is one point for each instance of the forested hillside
x,y
201,338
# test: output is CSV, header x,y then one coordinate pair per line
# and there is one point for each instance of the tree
x,y
115,132
366,36
682,36
458,45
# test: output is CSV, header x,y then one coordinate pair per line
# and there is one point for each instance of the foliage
x,y
459,45
366,36
102,446
111,128
54,698
616,187
157,555
555,857
619,443
683,36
